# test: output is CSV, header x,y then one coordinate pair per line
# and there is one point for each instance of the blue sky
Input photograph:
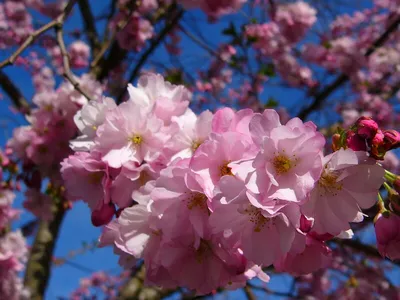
x,y
77,228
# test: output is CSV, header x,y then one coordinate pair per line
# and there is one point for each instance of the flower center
x,y
257,218
203,251
328,183
137,139
282,164
195,145
95,178
225,170
198,200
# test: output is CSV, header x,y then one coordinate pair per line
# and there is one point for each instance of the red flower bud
x,y
336,142
378,150
103,215
356,142
366,127
391,139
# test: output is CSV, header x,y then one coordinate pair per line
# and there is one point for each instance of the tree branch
x,y
339,81
67,73
90,26
14,93
38,268
33,36
154,44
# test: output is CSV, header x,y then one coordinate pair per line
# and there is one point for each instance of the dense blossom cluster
x,y
51,127
208,199
13,247
221,194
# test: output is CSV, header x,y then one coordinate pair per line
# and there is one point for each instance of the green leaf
x,y
231,30
267,70
271,103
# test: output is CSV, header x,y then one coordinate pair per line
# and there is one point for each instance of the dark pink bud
x,y
356,142
377,148
366,127
387,227
305,224
103,215
391,139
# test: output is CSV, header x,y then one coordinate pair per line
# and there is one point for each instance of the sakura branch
x,y
32,37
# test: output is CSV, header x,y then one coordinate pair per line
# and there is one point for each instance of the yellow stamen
x,y
95,178
137,139
282,164
328,183
198,200
195,145
257,218
225,170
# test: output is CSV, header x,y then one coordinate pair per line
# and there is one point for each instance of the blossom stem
x,y
389,176
381,203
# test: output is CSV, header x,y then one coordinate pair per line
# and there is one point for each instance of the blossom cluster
x,y
44,143
277,38
207,201
13,247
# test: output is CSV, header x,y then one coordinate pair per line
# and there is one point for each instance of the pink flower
x,y
88,120
86,178
162,98
179,197
226,119
295,19
215,8
79,53
213,159
387,229
7,213
313,256
262,236
350,181
129,135
131,178
289,162
192,131
39,204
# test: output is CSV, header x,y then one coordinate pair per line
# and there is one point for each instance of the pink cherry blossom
x,y
90,174
39,204
387,229
350,181
129,135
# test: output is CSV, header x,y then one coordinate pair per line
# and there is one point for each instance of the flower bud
x,y
387,230
391,139
378,150
355,142
336,145
103,215
366,127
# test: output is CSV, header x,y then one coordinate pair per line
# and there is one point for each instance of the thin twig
x,y
168,27
33,36
343,78
67,73
249,293
90,27
14,93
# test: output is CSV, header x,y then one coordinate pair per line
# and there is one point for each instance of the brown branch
x,y
38,268
249,293
99,66
90,25
343,78
14,93
33,36
67,73
154,44
364,248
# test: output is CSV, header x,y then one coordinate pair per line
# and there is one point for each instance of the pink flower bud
x,y
306,224
356,142
103,215
391,139
387,230
366,127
